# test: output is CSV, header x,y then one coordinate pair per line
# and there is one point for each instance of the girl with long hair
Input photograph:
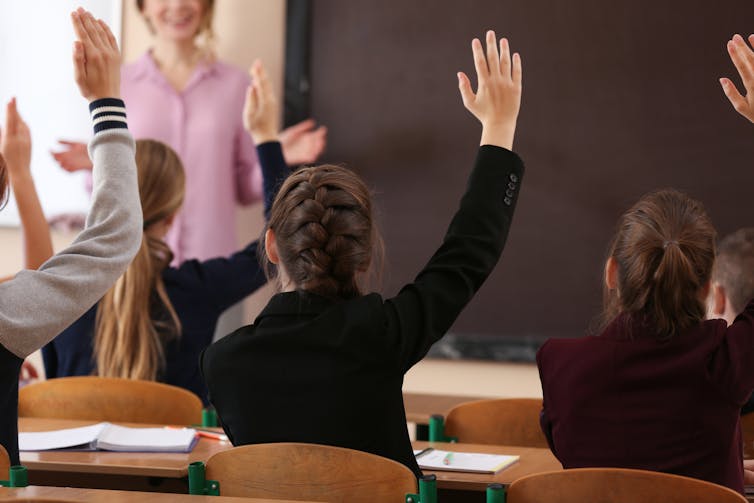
x,y
154,322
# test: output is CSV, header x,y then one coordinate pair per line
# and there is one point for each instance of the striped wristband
x,y
108,113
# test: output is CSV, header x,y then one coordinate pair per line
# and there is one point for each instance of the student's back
x,y
625,399
324,363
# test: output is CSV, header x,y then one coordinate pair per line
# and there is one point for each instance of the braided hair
x,y
325,237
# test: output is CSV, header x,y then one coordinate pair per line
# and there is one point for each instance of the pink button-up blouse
x,y
203,124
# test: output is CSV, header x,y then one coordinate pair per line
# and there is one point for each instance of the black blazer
x,y
315,370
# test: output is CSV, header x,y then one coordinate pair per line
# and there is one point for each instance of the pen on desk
x,y
202,433
447,459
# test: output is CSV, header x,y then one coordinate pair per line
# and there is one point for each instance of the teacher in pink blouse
x,y
181,94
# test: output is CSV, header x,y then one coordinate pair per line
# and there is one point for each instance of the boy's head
x,y
732,276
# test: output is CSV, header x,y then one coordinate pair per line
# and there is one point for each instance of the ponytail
x,y
664,250
136,319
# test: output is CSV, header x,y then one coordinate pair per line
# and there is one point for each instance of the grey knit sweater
x,y
35,306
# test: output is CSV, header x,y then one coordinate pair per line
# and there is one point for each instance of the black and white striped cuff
x,y
108,113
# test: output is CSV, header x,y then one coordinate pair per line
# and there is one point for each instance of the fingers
x,y
493,58
505,57
77,17
480,62
467,95
79,64
743,60
736,99
94,30
301,127
516,72
109,35
261,81
11,118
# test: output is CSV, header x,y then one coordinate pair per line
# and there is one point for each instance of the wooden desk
x,y
419,406
102,496
164,472
533,460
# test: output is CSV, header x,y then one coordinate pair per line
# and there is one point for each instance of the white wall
x,y
35,57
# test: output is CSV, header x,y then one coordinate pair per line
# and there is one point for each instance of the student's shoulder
x,y
229,346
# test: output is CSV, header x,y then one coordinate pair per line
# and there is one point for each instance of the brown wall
x,y
619,98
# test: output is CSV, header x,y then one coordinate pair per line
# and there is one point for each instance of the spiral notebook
x,y
472,462
110,437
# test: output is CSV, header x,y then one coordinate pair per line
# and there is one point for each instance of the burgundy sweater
x,y
624,399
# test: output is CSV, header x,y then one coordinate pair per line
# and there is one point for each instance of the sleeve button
x,y
513,178
509,193
507,201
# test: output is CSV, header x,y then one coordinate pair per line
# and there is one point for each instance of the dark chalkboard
x,y
619,98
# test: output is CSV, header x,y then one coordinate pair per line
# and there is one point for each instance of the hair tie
x,y
670,242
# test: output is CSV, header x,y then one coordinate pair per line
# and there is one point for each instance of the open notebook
x,y
109,437
473,462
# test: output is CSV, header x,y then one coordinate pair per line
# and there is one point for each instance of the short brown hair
x,y
664,249
734,267
324,230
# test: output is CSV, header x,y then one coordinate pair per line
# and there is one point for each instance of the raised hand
x,y
73,157
15,142
498,96
261,112
96,59
15,146
303,143
743,59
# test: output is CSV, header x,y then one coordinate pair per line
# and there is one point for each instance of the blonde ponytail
x,y
136,319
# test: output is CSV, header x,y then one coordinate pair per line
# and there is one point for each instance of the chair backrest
x,y
109,399
4,463
311,472
616,485
747,433
505,421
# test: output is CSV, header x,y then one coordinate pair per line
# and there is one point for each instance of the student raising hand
x,y
15,145
261,112
498,97
743,59
96,59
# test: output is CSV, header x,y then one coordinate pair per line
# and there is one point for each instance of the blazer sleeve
x,y
424,310
50,360
730,364
36,305
229,280
544,419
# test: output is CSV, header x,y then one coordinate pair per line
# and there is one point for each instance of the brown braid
x,y
322,220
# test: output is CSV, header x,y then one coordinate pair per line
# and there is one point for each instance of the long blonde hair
x,y
135,319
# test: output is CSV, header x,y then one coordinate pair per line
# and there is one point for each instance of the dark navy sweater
x,y
199,292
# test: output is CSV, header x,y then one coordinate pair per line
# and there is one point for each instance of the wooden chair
x,y
616,485
4,463
747,433
505,421
309,472
110,399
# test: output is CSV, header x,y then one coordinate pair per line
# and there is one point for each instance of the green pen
x,y
447,459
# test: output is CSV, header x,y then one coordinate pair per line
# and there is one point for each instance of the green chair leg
x,y
198,483
495,493
17,477
427,491
437,430
209,418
